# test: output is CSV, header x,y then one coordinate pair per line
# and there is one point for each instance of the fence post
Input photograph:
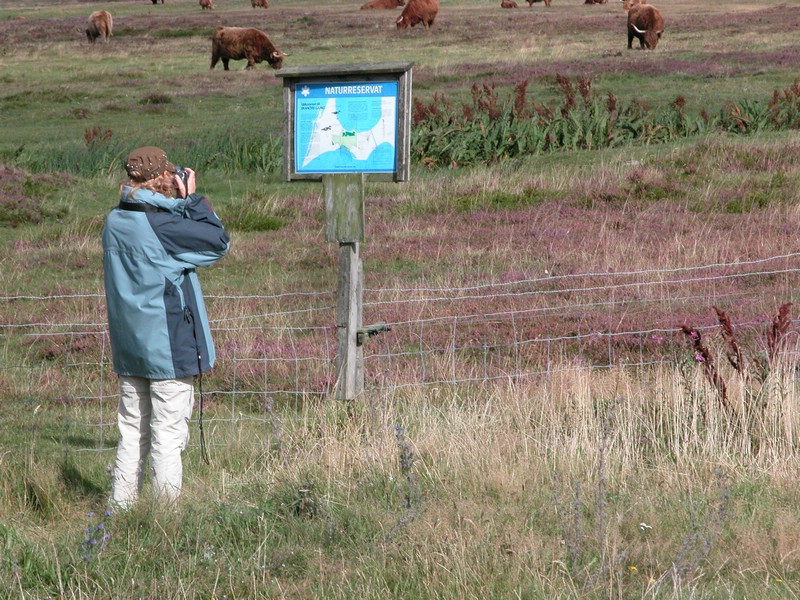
x,y
344,223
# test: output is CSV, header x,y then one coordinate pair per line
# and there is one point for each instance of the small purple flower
x,y
658,338
699,357
94,541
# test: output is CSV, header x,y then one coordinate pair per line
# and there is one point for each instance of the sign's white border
x,y
342,77
332,104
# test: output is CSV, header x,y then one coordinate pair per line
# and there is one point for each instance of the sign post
x,y
343,126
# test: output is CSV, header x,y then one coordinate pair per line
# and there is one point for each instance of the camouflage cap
x,y
146,163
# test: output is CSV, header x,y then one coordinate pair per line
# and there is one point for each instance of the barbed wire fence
x,y
279,350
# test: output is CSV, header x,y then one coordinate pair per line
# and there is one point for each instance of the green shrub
x,y
254,212
25,198
102,153
491,129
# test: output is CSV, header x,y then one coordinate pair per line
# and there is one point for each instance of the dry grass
x,y
637,476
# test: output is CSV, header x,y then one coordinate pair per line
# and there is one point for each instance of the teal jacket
x,y
157,319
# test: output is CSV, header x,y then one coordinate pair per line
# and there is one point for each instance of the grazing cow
x,y
206,4
391,4
595,1
546,2
259,3
508,4
629,4
156,1
236,43
646,23
418,11
101,25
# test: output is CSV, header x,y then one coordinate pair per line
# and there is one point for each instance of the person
x,y
153,241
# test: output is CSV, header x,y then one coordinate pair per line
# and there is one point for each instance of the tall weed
x,y
102,153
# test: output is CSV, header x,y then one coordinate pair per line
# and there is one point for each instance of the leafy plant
x,y
492,129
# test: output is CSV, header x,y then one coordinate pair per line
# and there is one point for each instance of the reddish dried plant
x,y
679,104
568,92
760,365
704,357
520,102
585,89
734,351
484,98
776,336
611,103
95,134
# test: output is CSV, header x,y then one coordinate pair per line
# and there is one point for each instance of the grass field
x,y
627,469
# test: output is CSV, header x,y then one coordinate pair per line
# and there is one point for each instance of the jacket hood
x,y
173,205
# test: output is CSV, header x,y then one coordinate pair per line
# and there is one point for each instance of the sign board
x,y
347,119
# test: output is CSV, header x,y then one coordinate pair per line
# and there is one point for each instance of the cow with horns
x,y
100,25
646,23
237,43
418,11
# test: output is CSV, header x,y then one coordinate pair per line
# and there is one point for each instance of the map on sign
x,y
345,127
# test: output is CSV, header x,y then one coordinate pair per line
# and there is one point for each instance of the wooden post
x,y
344,208
349,355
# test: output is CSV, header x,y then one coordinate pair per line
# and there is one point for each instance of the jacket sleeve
x,y
197,237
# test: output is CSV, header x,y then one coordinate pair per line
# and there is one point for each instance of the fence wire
x,y
279,350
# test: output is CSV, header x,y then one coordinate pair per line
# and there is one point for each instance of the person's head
x,y
148,167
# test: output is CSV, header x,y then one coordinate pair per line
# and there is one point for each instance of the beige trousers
x,y
153,418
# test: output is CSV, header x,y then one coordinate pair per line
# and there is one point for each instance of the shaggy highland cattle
x,y
380,4
508,4
532,2
237,43
646,23
206,5
259,3
629,4
100,25
418,11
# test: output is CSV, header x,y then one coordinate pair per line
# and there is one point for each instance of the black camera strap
x,y
139,207
189,316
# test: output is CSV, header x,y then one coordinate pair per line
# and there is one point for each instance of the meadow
x,y
589,389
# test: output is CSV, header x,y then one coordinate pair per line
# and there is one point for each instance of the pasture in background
x,y
558,409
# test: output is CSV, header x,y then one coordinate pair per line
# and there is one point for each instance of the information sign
x,y
346,128
343,119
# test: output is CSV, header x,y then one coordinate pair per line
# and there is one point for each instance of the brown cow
x,y
259,3
508,4
101,25
383,4
546,2
629,4
206,4
418,11
236,43
646,23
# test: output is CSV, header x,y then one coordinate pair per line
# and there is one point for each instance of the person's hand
x,y
190,188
